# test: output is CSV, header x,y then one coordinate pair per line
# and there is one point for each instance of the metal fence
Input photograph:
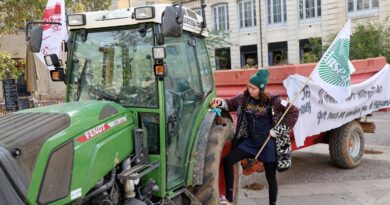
x,y
31,104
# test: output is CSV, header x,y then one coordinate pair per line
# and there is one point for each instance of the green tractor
x,y
136,127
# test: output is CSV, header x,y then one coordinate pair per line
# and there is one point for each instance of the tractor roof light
x,y
76,20
159,52
142,13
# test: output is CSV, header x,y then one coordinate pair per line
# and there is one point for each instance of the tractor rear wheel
x,y
218,146
346,145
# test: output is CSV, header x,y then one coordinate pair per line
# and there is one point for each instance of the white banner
x,y
53,34
319,112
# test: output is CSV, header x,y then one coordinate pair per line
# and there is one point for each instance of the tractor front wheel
x,y
218,146
346,145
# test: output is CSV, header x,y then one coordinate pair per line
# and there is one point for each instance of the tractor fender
x,y
199,148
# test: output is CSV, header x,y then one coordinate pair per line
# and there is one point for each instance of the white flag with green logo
x,y
333,71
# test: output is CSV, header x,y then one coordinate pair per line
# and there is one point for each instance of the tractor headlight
x,y
142,13
76,20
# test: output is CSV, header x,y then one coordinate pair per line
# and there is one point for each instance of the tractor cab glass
x,y
114,65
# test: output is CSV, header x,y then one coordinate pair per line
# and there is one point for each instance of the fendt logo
x,y
92,133
52,14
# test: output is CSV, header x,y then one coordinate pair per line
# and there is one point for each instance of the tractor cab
x,y
157,70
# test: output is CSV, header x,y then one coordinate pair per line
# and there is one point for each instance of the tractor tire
x,y
346,145
219,140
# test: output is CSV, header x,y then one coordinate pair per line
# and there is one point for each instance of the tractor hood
x,y
22,135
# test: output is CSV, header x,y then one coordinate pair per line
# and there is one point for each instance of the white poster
x,y
53,34
319,112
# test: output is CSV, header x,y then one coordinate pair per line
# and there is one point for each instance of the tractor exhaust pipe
x,y
103,188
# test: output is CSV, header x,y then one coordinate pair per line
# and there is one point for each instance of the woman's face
x,y
254,91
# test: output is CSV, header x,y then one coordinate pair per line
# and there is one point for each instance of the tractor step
x,y
140,169
183,196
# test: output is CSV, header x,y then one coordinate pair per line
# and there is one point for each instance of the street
x,y
313,179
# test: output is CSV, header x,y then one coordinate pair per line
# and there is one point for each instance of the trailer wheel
x,y
346,145
218,145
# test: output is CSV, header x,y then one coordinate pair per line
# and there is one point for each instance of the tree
x,y
367,41
14,14
217,39
8,67
370,40
314,48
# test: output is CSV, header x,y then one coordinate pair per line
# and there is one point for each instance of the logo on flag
x,y
333,71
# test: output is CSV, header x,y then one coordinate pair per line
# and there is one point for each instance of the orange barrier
x,y
233,82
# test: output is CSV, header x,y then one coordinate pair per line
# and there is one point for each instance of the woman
x,y
257,115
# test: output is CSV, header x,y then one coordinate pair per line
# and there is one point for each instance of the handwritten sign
x,y
319,112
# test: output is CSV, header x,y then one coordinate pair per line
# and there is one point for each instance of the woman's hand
x,y
216,102
273,133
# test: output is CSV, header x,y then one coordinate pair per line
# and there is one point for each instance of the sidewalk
x,y
368,184
367,192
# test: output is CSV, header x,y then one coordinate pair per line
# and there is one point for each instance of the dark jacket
x,y
248,142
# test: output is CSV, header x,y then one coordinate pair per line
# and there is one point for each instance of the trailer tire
x,y
208,192
346,145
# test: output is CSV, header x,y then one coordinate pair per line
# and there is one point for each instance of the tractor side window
x,y
151,128
182,89
204,65
57,177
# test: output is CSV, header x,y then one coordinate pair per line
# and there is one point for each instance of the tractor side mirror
x,y
52,60
172,21
35,39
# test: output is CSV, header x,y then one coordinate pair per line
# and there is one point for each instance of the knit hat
x,y
260,79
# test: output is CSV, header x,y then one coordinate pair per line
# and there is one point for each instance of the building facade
x,y
271,32
116,4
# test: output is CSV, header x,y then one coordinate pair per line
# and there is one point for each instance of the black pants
x,y
237,155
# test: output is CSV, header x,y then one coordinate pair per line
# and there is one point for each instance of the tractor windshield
x,y
114,65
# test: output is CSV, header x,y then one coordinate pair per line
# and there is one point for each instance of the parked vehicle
x,y
136,127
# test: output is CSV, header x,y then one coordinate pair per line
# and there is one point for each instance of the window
x,y
248,56
362,5
247,13
114,64
309,9
221,17
310,50
276,11
183,96
277,53
222,59
204,65
198,11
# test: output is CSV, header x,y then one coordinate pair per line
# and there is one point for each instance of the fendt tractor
x,y
135,128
